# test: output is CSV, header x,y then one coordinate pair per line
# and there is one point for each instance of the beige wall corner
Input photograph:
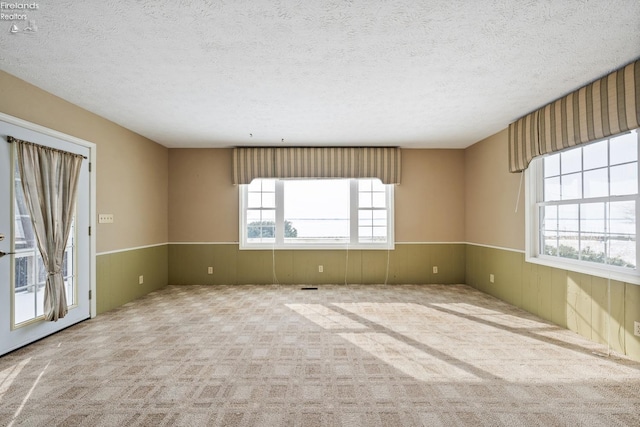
x,y
491,194
132,171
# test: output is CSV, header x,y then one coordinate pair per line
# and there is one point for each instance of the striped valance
x,y
606,107
316,162
523,142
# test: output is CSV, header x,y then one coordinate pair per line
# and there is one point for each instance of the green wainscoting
x,y
595,308
117,275
408,263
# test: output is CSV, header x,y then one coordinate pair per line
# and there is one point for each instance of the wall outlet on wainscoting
x,y
492,278
435,269
140,280
210,270
636,328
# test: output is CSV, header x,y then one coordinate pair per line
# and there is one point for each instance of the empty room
x,y
332,213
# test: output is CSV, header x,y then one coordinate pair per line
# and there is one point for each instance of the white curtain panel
x,y
50,180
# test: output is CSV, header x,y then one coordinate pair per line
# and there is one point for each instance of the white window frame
x,y
534,197
281,244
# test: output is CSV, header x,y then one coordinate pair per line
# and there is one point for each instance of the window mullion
x,y
243,213
279,212
354,210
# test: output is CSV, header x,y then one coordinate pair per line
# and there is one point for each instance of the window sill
x,y
632,276
315,247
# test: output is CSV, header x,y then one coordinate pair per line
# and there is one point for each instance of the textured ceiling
x,y
208,73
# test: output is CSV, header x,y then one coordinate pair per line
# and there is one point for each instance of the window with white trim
x,y
582,205
316,214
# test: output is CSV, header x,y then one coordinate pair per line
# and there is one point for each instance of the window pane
x,y
622,218
571,161
595,155
255,185
596,183
372,234
364,200
317,210
364,184
552,189
593,247
550,217
261,225
550,239
624,179
379,200
372,225
568,245
624,148
592,217
377,185
552,165
253,215
622,240
379,232
365,218
622,253
380,218
268,200
568,218
254,200
571,186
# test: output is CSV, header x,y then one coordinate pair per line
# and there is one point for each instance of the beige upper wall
x,y
430,201
203,203
491,195
429,204
132,171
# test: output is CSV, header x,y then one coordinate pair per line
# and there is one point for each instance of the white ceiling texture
x,y
409,73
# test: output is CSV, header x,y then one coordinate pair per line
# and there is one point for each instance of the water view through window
x,y
318,212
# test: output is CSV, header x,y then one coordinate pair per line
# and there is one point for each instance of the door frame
x,y
92,192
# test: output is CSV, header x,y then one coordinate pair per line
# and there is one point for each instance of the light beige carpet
x,y
352,355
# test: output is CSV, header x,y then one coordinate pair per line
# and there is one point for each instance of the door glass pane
x,y
29,270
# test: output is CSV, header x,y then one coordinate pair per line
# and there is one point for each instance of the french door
x,y
22,273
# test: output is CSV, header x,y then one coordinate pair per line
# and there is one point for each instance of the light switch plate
x,y
105,218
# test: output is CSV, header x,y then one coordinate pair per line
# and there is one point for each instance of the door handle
x,y
6,253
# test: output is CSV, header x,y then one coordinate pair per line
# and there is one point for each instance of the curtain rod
x,y
10,140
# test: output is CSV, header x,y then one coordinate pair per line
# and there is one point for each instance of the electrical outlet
x,y
491,278
140,280
210,270
320,269
636,328
435,269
